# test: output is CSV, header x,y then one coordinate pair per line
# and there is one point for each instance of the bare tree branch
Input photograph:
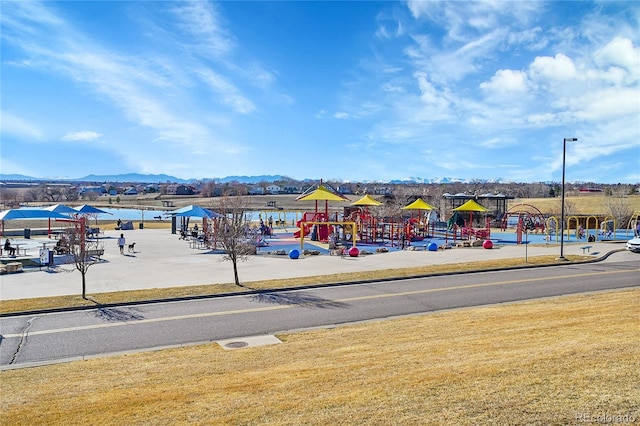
x,y
234,231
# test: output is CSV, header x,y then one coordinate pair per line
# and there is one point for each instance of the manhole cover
x,y
235,345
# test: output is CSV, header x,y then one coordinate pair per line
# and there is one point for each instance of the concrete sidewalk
x,y
162,260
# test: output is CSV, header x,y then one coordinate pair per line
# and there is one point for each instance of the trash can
x,y
141,225
27,233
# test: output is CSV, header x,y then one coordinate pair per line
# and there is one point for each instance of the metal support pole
x,y
562,219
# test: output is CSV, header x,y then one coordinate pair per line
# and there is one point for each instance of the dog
x,y
132,248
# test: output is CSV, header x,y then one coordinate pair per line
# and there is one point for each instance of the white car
x,y
634,245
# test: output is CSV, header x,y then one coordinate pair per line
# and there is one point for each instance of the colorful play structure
x,y
470,224
528,220
360,225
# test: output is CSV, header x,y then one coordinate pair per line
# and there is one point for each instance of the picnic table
x,y
17,246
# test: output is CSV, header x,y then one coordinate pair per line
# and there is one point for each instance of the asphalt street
x,y
56,337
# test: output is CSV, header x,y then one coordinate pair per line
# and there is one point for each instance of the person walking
x,y
121,243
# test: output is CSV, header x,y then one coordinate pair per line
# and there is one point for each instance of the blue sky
x,y
336,90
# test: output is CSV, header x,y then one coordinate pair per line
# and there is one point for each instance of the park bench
x,y
93,232
586,249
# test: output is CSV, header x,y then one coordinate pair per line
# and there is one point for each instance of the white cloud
x,y
465,20
85,135
506,82
559,67
607,103
619,51
532,39
18,127
229,93
429,95
146,97
201,20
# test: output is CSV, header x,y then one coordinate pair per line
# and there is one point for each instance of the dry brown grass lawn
x,y
583,204
539,363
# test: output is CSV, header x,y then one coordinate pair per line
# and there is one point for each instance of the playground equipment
x,y
320,225
308,218
532,218
320,220
415,227
275,218
294,254
468,230
365,222
634,224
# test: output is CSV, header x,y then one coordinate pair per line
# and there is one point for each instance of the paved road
x,y
43,338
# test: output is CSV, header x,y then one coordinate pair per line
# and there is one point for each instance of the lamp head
x,y
570,139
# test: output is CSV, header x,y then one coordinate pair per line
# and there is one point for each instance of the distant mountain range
x,y
162,178
142,178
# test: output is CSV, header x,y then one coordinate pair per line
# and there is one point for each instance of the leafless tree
x,y
84,252
617,206
393,208
91,195
234,231
10,197
208,189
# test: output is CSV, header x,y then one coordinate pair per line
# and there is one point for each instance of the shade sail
x,y
419,204
321,194
13,214
61,208
195,211
471,206
367,200
87,209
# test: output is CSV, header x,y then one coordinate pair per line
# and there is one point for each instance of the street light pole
x,y
562,226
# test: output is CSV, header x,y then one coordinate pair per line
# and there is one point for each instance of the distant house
x,y
382,190
130,191
292,189
274,189
152,188
185,190
256,190
113,192
97,189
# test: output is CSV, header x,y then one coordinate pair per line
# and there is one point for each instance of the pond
x,y
149,214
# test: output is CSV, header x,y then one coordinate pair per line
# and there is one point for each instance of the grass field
x,y
585,204
544,362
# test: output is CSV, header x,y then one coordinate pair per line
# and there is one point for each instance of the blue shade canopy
x,y
13,214
195,211
61,208
87,209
